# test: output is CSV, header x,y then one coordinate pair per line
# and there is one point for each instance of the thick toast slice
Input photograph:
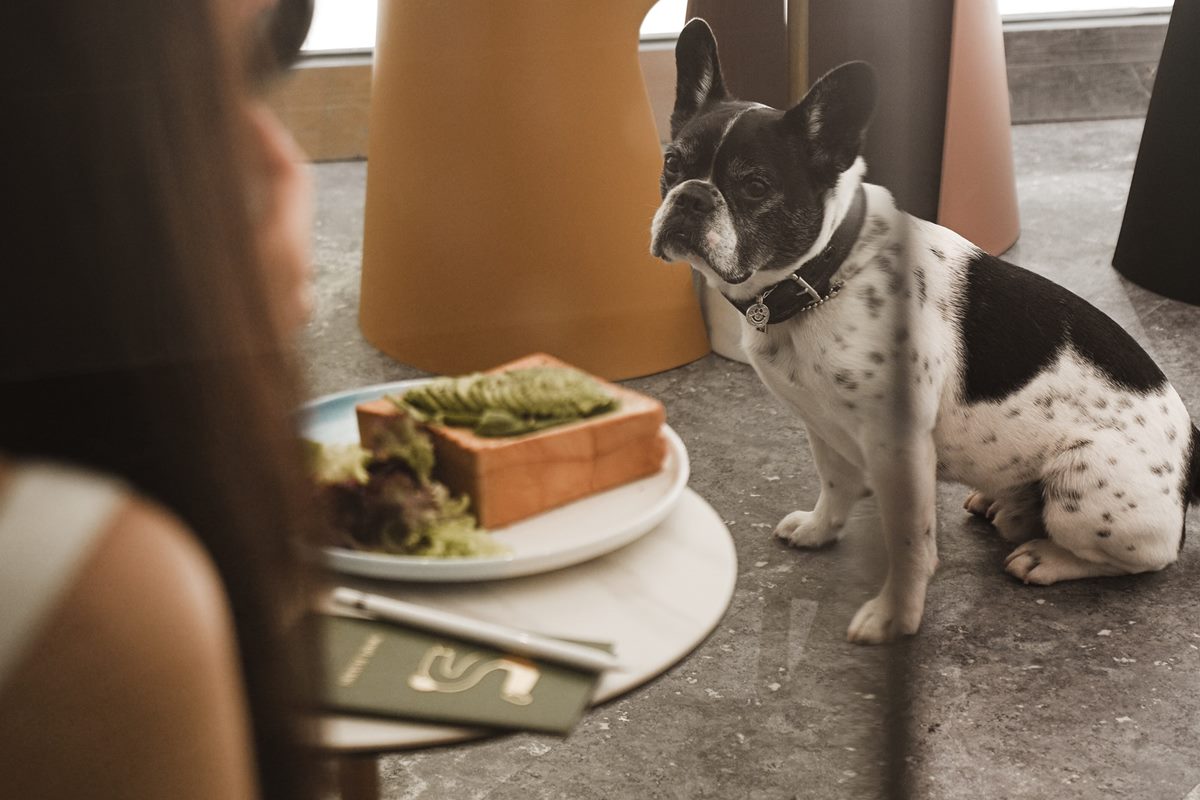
x,y
511,478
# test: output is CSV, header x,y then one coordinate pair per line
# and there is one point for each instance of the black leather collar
x,y
812,284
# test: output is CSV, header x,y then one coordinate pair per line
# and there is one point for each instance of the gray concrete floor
x,y
1087,689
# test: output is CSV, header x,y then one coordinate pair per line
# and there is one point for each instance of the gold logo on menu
x,y
443,670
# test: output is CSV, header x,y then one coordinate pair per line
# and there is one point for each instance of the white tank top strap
x,y
50,519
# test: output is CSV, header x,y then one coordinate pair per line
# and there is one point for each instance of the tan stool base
x,y
513,173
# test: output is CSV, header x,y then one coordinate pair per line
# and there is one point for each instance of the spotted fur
x,y
936,360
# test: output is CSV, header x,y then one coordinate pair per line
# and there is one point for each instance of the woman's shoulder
x,y
135,666
66,531
39,500
162,567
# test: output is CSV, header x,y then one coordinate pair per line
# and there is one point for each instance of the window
x,y
1078,8
348,26
342,26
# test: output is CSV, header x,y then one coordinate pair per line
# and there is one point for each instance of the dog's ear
x,y
698,73
834,115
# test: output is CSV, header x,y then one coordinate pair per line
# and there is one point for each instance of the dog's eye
x,y
671,163
755,188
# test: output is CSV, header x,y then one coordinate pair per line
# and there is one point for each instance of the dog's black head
x,y
745,186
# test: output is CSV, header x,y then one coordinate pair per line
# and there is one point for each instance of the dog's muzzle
x,y
691,206
696,200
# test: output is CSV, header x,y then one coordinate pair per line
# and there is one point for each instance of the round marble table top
x,y
655,600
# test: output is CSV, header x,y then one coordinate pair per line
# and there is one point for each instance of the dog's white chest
x,y
833,367
887,335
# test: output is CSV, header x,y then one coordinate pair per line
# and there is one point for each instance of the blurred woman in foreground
x,y
154,250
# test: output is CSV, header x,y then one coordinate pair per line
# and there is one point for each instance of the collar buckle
x,y
807,287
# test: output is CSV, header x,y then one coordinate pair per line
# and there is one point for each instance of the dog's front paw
x,y
806,529
980,505
1016,515
877,622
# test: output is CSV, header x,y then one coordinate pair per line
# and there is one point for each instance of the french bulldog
x,y
912,356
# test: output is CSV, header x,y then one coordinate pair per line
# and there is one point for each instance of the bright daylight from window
x,y
349,25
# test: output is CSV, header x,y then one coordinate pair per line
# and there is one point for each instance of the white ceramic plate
x,y
558,538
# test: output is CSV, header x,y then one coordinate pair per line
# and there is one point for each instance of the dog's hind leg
x,y
1043,562
842,485
1105,514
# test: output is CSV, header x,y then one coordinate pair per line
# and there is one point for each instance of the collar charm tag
x,y
758,314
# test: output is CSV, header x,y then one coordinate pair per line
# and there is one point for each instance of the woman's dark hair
x,y
134,332
281,34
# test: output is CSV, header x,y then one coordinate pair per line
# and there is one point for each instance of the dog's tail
x,y
1193,481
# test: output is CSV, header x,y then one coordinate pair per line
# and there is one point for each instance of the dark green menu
x,y
386,669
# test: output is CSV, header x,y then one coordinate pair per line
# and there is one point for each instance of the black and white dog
x,y
911,355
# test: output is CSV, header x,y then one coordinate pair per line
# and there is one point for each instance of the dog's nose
x,y
695,199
